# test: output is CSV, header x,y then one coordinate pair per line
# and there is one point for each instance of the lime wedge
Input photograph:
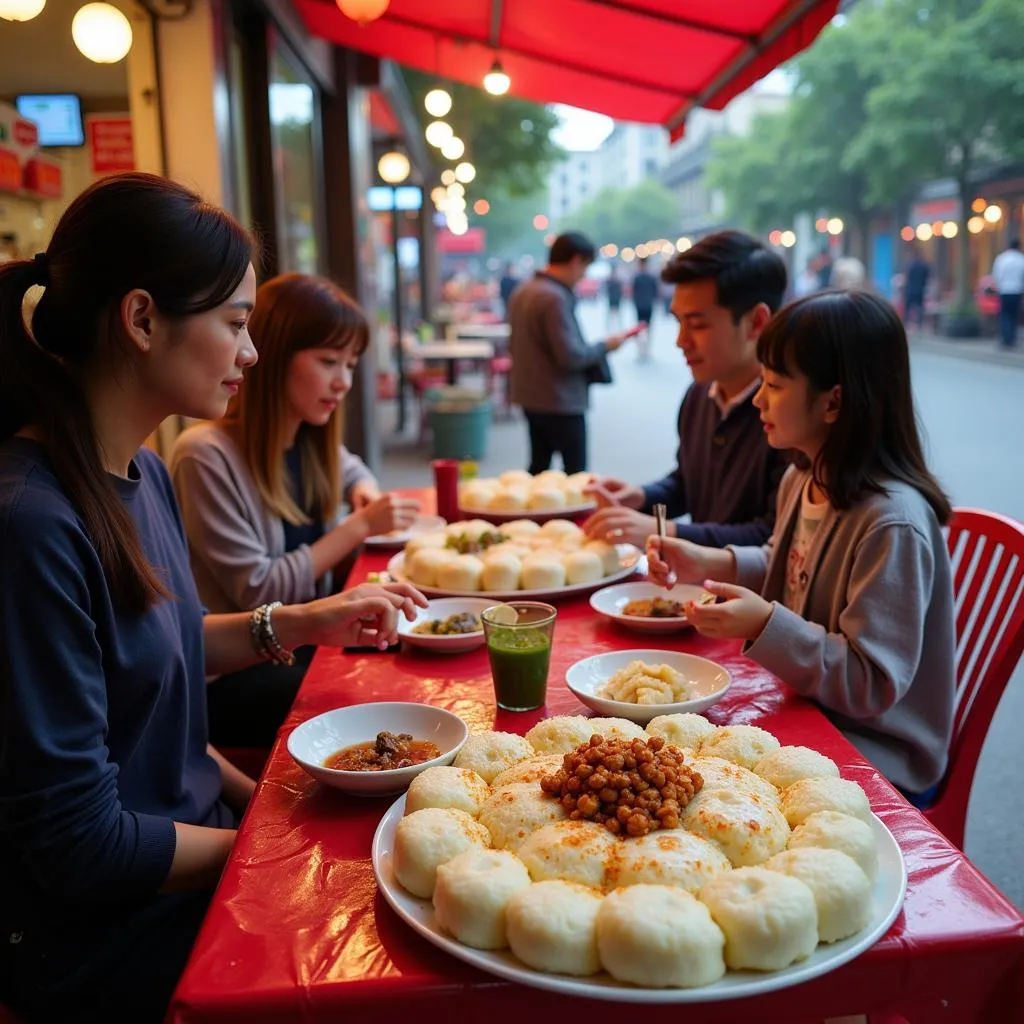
x,y
502,615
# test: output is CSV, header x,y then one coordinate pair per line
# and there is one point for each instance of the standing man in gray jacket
x,y
552,366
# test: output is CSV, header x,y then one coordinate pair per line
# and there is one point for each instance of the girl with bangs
x,y
116,815
261,490
850,602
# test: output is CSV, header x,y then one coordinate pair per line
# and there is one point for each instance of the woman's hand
x,y
364,493
741,616
388,512
671,561
365,616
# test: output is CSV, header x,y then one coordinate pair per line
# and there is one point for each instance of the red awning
x,y
634,60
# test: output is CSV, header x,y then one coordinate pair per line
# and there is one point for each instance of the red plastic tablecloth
x,y
298,932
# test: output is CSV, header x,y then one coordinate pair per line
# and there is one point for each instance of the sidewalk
x,y
985,350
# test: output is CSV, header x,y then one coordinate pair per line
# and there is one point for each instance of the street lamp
x,y
393,168
437,102
453,148
438,133
465,172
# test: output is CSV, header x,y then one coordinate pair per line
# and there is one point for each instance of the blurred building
x,y
702,208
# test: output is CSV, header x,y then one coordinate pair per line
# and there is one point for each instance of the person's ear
x,y
138,318
759,317
833,404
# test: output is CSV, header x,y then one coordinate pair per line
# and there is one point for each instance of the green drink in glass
x,y
519,648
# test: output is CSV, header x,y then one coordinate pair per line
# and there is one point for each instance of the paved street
x,y
972,413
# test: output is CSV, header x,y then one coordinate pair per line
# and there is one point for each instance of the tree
x,y
950,97
626,216
508,140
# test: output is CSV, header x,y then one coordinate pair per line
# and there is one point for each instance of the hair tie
x,y
42,268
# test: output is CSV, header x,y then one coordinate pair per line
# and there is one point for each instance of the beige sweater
x,y
874,643
236,545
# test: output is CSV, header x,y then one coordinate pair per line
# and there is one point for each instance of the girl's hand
x,y
364,493
387,513
365,616
742,616
671,561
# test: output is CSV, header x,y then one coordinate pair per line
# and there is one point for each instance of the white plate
x,y
610,602
441,609
538,515
398,538
886,900
707,678
317,738
629,559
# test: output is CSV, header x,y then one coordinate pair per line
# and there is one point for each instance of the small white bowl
x,y
610,602
441,609
707,678
318,738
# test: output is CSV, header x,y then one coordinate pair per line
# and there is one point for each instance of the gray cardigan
x,y
551,363
874,643
236,544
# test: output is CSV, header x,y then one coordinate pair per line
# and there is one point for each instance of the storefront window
x,y
294,124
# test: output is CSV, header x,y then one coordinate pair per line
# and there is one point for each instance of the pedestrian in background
x,y
915,286
1008,271
552,366
613,290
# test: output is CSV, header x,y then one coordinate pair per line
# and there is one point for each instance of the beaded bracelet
x,y
264,639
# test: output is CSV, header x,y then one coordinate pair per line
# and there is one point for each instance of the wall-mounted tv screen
x,y
58,116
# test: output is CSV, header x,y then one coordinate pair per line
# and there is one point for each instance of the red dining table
x,y
297,930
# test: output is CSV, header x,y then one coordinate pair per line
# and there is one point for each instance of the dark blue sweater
x,y
103,726
726,475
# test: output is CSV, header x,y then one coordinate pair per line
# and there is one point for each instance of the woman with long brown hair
x,y
261,490
116,816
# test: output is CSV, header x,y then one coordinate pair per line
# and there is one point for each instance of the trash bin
x,y
459,421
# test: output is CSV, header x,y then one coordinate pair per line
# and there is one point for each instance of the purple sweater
x,y
726,478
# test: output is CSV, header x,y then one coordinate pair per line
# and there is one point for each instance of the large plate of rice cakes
x,y
770,872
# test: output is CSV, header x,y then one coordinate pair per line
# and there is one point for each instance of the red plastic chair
x,y
987,553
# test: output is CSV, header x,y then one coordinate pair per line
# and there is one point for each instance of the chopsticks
x,y
660,515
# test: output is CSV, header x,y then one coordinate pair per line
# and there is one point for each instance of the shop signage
x,y
43,178
470,242
10,170
111,145
22,169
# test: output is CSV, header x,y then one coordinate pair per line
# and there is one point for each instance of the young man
x,y
726,289
552,366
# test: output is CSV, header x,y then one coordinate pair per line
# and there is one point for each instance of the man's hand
x,y
618,525
609,491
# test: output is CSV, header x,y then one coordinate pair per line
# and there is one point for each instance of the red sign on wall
x,y
43,178
26,134
110,143
10,170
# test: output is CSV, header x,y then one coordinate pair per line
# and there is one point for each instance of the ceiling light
x,y
21,10
102,33
363,11
496,82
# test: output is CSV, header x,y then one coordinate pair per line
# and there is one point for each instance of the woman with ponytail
x,y
116,816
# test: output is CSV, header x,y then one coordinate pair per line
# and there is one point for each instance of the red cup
x,y
446,487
